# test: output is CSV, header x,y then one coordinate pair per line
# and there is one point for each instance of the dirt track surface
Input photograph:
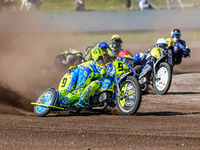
x,y
170,121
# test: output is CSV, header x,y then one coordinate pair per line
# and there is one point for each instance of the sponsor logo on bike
x,y
129,103
131,92
131,96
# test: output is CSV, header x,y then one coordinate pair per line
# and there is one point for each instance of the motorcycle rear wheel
x,y
129,104
48,97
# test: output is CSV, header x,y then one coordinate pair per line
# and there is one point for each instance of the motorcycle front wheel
x,y
48,97
162,81
130,96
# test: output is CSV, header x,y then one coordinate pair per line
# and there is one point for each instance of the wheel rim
x,y
45,99
128,102
162,76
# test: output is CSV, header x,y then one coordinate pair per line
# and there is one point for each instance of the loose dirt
x,y
170,121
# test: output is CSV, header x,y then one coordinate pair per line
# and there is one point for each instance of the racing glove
x,y
186,53
103,72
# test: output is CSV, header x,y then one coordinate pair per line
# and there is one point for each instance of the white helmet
x,y
162,42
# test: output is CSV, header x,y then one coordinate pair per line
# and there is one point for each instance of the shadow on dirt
x,y
11,99
108,111
80,114
165,113
182,93
178,73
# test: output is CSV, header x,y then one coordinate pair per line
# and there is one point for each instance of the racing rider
x,y
106,80
116,44
108,54
82,76
178,46
70,57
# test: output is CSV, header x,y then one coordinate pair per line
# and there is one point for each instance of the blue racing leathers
x,y
81,78
180,50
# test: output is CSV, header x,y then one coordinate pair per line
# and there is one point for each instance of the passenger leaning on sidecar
x,y
68,58
178,46
82,76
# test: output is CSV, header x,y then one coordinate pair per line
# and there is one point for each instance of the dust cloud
x,y
27,61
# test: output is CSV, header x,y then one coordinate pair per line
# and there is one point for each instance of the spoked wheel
x,y
130,96
48,97
162,82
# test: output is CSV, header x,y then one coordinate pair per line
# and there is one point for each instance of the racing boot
x,y
69,98
87,92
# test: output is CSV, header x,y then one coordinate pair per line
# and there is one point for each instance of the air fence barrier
x,y
95,21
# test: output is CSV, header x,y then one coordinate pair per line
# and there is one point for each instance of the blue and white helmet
x,y
138,58
176,34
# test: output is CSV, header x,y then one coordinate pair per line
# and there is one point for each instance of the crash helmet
x,y
123,53
126,56
138,58
103,45
116,42
163,43
176,35
97,54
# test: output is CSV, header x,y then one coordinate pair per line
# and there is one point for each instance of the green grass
x,y
68,5
96,5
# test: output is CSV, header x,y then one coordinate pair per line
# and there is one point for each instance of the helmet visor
x,y
176,36
116,43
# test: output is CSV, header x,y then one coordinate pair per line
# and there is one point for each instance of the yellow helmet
x,y
116,42
116,37
97,53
